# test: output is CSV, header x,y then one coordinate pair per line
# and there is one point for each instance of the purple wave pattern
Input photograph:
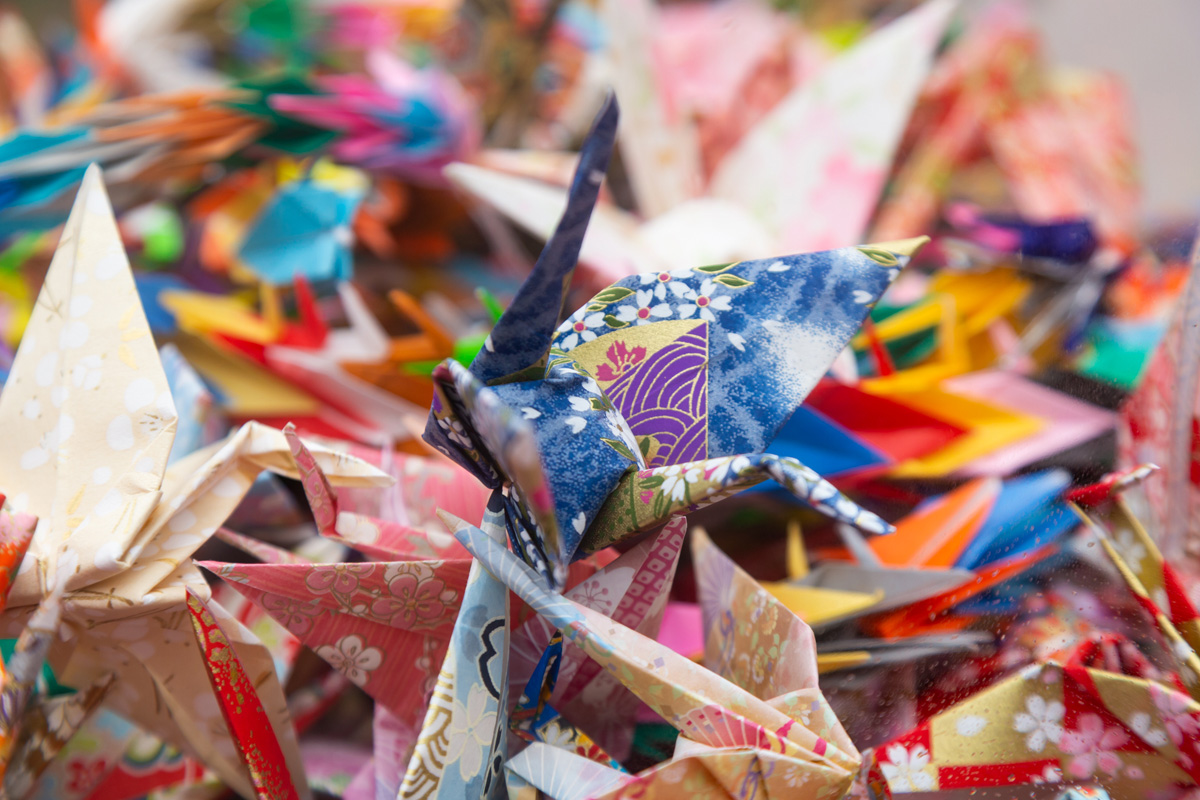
x,y
666,396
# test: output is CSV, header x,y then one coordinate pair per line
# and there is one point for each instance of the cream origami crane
x,y
89,424
806,178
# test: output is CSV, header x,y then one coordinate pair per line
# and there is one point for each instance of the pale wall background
x,y
1154,45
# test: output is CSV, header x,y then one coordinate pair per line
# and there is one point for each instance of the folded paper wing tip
x,y
381,480
903,247
92,175
452,523
460,174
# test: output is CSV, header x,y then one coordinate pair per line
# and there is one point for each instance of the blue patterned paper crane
x,y
658,396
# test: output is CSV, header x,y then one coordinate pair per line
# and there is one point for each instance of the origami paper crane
x,y
915,584
759,722
1051,723
401,119
91,424
839,132
1114,721
1158,424
386,626
658,384
943,332
899,431
305,230
1158,587
366,620
424,485
1069,422
835,591
137,140
273,367
632,590
244,715
363,616
1063,149
814,439
461,749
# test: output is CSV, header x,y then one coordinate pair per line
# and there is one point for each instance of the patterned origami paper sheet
x,y
1091,712
1051,723
541,395
92,423
840,130
1069,422
735,730
632,590
461,750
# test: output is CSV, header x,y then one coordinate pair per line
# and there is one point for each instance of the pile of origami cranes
x,y
587,399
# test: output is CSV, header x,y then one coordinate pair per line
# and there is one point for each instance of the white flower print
x,y
352,658
356,527
575,422
905,769
49,444
703,303
796,775
729,468
556,734
677,478
470,731
1041,721
663,281
1142,724
455,432
970,725
580,330
620,428
1049,775
86,374
646,309
63,717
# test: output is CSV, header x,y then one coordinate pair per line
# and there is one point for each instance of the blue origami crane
x,y
657,397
